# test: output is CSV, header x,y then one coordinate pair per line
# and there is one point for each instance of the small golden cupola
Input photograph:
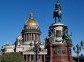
x,y
31,22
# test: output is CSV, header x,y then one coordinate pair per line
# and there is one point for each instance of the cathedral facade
x,y
26,42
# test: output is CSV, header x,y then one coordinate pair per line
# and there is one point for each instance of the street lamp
x,y
82,44
36,50
77,49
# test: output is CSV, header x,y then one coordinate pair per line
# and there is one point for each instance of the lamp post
x,y
36,50
77,49
82,44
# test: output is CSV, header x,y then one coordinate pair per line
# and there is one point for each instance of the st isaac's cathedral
x,y
25,42
57,47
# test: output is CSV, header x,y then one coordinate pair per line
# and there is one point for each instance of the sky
x,y
14,13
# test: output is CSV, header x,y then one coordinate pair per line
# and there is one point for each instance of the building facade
x,y
26,42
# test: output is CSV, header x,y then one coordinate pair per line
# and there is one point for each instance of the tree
x,y
12,57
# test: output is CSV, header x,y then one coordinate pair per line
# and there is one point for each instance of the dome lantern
x,y
31,16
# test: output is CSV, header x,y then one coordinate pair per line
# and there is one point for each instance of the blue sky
x,y
14,13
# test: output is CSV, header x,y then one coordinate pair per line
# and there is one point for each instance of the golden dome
x,y
31,21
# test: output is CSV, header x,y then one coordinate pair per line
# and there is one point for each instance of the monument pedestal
x,y
60,53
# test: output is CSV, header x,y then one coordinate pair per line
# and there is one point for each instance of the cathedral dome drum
x,y
31,30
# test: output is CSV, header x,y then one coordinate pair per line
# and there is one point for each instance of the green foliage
x,y
12,57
